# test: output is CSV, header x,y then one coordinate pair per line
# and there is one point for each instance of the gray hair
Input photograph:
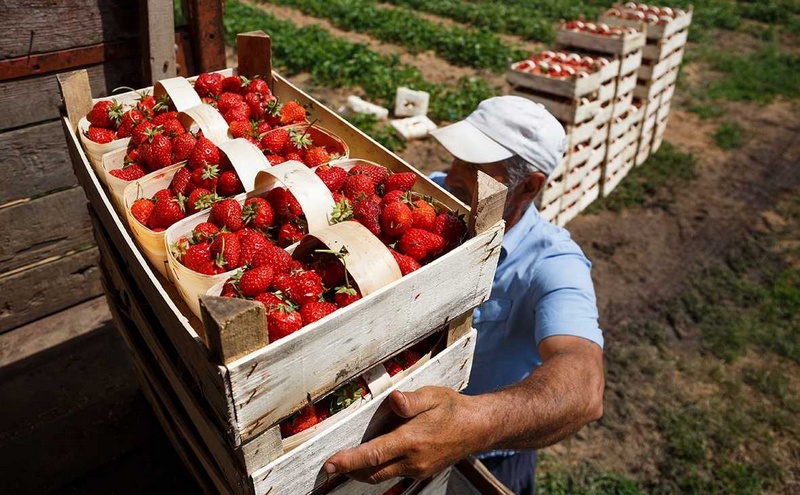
x,y
518,170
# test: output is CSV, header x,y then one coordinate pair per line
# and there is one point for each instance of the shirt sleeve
x,y
563,296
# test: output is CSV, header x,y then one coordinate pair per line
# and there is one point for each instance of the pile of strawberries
x,y
599,28
561,64
646,13
294,143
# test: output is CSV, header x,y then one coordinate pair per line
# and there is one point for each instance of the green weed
x,y
583,480
729,136
707,111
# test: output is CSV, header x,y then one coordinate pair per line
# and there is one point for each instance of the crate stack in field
x,y
224,381
578,90
666,31
623,46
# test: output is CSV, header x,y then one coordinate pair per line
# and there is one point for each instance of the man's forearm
x,y
553,402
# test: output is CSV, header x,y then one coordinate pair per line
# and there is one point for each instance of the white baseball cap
x,y
502,127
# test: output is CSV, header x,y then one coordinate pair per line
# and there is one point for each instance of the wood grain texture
x,y
44,227
158,41
39,160
16,96
255,55
30,294
234,327
42,27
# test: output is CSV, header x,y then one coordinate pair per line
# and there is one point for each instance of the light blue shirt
x,y
542,287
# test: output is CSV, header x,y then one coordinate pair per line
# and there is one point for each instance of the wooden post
x,y
158,40
234,327
255,55
204,18
76,94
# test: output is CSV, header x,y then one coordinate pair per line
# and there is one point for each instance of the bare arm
x,y
442,426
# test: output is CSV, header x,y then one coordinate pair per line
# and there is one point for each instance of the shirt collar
x,y
516,234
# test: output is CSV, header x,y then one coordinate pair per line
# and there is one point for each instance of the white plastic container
x,y
410,103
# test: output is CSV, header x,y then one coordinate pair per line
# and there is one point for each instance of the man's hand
x,y
433,437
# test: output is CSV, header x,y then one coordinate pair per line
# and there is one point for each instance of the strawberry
x,y
257,212
129,120
204,152
238,113
274,140
330,269
275,159
346,296
240,129
284,204
292,113
130,172
160,154
304,419
206,177
255,281
451,228
269,300
141,209
396,218
227,213
197,256
418,243
407,264
282,320
167,211
294,157
164,117
299,141
182,182
225,250
402,181
303,286
377,173
357,187
316,310
226,101
348,394
173,128
259,86
423,215
256,103
140,132
391,197
342,209
392,367
105,113
262,128
368,214
232,84
182,146
229,184
317,156
208,84
289,233
276,258
100,135
333,177
250,242
200,199
204,231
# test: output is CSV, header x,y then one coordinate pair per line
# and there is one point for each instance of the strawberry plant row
x,y
459,46
334,62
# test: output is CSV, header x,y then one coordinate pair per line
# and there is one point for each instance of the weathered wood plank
x,y
17,97
158,40
44,227
30,294
49,26
38,161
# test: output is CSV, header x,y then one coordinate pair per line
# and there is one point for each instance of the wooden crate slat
x,y
613,45
659,50
630,63
567,87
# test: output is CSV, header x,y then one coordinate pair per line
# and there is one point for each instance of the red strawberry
x,y
229,290
240,129
294,156
229,184
206,177
275,159
141,209
289,233
391,197
238,113
333,177
260,86
402,181
130,172
105,113
182,147
225,250
407,264
256,103
100,135
250,242
227,213
377,173
208,84
304,286
317,156
255,281
451,228
282,321
276,258
392,367
304,419
423,215
292,113
164,117
167,211
357,187
316,310
140,132
330,269
160,154
299,141
257,212
129,120
269,300
204,231
274,140
262,128
228,100
368,214
182,182
173,128
418,243
204,152
284,204
197,256
396,218
346,296
200,199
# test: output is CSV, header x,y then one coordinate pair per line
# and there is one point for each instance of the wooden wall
x,y
47,251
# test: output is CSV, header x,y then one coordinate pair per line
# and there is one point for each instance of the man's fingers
x,y
380,474
410,404
367,455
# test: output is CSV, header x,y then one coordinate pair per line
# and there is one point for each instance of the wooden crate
x,y
622,105
566,111
653,32
571,88
616,170
630,63
658,50
550,211
611,45
649,89
660,68
245,388
622,125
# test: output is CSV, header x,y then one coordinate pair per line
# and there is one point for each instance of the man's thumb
x,y
409,404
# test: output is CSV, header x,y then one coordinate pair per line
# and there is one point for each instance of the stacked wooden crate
x,y
666,32
624,46
579,102
221,390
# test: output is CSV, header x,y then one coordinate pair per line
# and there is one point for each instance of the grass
x,y
729,136
583,480
643,186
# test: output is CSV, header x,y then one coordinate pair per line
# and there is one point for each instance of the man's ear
x,y
531,186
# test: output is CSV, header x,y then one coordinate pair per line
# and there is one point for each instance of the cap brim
x,y
464,141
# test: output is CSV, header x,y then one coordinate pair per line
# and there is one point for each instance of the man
x,y
537,376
